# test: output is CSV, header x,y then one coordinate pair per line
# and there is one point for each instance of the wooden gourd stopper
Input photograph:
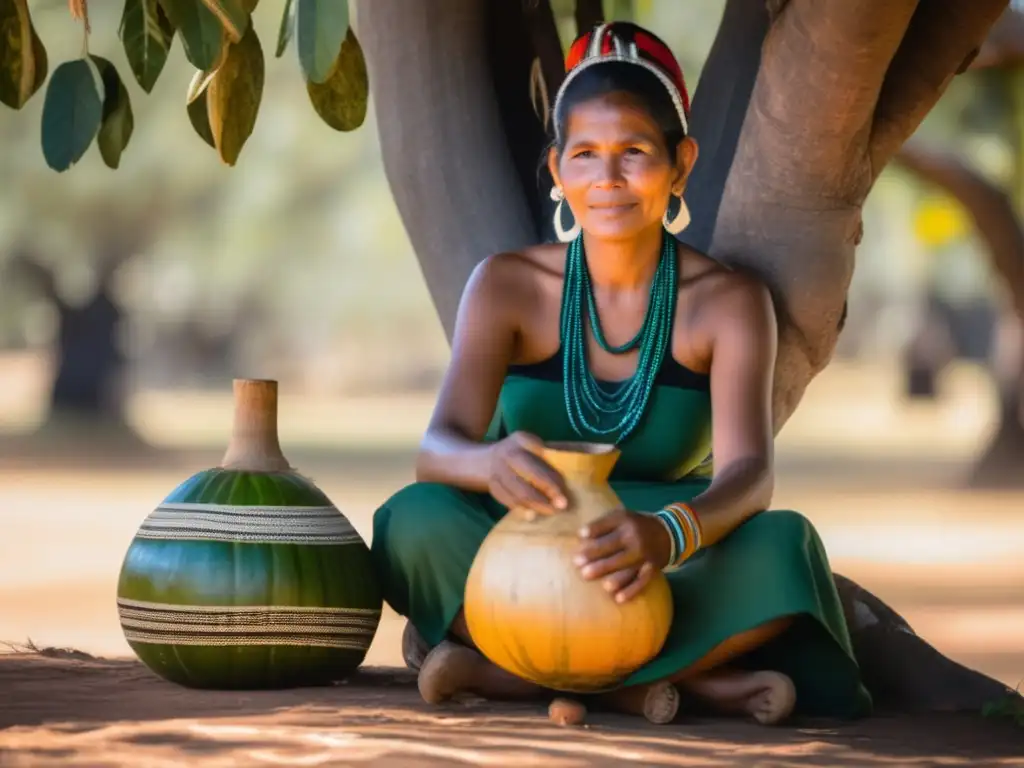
x,y
254,445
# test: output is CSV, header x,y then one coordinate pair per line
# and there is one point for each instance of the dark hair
x,y
622,77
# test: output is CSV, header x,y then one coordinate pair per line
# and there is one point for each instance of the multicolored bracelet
x,y
685,532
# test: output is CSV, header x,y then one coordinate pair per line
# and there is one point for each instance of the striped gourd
x,y
246,575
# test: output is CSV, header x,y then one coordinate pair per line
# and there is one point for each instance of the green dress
x,y
773,565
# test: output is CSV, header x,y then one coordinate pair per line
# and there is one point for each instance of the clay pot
x,y
528,608
246,575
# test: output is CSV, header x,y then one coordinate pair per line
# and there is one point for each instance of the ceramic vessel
x,y
530,611
246,575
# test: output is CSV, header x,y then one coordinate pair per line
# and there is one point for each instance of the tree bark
x,y
1000,228
784,116
445,153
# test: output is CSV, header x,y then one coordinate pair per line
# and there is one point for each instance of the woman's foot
x,y
451,669
658,702
768,696
414,647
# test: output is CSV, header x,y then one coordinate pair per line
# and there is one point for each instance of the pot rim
x,y
581,447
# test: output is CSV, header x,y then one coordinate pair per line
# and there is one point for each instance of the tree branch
x,y
940,38
446,156
824,62
547,46
775,8
513,30
589,13
989,207
1004,44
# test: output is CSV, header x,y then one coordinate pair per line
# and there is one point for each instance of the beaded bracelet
x,y
685,526
674,534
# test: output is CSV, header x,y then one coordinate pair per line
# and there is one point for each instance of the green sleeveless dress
x,y
774,565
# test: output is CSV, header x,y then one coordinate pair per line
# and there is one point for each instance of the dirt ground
x,y
882,484
69,712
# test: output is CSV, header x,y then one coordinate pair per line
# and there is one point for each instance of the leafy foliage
x,y
86,99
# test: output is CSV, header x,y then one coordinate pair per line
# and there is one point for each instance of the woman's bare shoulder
x,y
726,294
512,277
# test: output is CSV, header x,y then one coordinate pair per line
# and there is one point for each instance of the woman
x,y
757,619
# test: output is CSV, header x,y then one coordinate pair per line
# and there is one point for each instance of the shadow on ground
x,y
59,709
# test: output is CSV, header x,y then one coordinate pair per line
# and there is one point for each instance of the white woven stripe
x,y
270,618
279,628
256,509
321,626
221,522
326,610
244,640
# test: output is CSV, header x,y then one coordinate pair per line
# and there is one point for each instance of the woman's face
x,y
616,172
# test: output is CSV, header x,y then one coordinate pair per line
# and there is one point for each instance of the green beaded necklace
x,y
591,406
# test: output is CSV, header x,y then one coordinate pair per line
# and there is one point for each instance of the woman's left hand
x,y
624,549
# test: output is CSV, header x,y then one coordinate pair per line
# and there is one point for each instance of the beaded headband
x,y
623,41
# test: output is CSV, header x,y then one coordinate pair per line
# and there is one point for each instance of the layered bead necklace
x,y
612,411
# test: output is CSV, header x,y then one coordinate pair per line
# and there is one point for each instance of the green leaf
x,y
199,116
118,122
72,113
146,34
233,96
341,101
42,62
19,54
320,28
232,16
202,36
284,34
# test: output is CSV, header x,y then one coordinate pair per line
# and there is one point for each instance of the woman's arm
x,y
452,451
482,346
744,339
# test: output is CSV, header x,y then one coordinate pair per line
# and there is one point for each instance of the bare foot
x,y
768,696
658,702
450,669
567,712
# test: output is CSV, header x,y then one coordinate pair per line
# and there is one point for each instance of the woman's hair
x,y
622,77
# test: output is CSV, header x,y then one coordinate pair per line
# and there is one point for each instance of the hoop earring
x,y
564,235
680,220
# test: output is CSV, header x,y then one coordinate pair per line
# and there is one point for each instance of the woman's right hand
x,y
519,477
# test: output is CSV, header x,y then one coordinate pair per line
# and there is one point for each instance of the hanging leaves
x,y
320,29
72,113
22,56
199,116
232,15
87,99
202,36
341,101
146,34
117,122
233,96
195,100
284,33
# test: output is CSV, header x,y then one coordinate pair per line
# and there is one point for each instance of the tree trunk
x,y
89,362
446,157
795,115
1002,232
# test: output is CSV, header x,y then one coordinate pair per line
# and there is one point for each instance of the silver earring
x,y
680,220
564,235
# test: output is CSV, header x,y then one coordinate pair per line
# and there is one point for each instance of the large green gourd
x,y
246,575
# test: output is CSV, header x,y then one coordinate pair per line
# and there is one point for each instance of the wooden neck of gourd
x,y
590,462
254,445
